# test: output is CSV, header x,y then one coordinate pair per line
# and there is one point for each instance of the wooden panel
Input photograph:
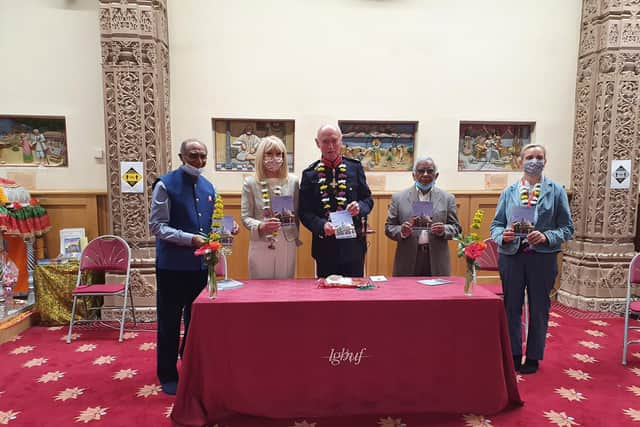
x,y
91,211
237,261
305,264
385,247
68,210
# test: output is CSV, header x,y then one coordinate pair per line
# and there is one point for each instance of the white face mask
x,y
272,164
191,170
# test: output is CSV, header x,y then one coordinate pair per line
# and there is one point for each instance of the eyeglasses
x,y
194,156
425,171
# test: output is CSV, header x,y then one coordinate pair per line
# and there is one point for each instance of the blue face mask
x,y
191,170
425,187
533,167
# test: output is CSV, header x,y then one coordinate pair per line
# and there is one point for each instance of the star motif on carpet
x,y
129,335
636,355
69,393
590,344
570,394
74,336
560,419
636,371
634,414
91,414
599,322
634,389
104,360
16,338
86,347
472,420
519,378
549,335
22,350
556,315
51,376
38,361
149,390
167,411
147,346
577,374
7,416
595,333
54,328
553,324
390,422
584,358
125,373
303,424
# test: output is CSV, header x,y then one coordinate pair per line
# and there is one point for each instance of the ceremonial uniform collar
x,y
331,164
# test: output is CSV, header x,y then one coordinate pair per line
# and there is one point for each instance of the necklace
x,y
529,198
267,212
338,187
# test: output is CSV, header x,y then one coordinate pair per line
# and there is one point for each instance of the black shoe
x,y
170,387
530,366
517,362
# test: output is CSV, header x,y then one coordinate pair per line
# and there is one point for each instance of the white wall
x,y
50,65
437,62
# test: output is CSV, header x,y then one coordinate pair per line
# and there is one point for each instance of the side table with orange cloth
x,y
53,284
17,252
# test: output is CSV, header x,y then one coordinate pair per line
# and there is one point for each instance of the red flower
x,y
475,249
208,248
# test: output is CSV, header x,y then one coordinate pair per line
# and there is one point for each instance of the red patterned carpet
x,y
96,381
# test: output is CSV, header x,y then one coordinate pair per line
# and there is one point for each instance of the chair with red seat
x,y
489,261
632,307
107,254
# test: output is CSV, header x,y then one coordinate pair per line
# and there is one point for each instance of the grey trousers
x,y
536,272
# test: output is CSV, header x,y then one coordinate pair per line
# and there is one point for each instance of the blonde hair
x,y
267,144
530,146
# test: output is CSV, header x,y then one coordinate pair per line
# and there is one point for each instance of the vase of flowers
x,y
210,252
471,247
213,247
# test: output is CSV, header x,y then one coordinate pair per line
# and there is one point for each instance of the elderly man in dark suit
x,y
422,252
331,184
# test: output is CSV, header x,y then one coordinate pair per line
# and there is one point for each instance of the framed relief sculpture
x,y
33,141
380,146
236,141
492,146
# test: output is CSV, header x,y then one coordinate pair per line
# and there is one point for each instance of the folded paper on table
x,y
434,282
229,284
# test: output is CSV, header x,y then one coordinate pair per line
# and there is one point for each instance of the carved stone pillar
x,y
607,126
135,70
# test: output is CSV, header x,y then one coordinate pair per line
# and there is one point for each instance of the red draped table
x,y
285,348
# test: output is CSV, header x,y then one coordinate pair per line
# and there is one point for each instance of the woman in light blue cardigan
x,y
529,261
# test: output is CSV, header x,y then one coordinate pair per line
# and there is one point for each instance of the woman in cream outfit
x,y
279,261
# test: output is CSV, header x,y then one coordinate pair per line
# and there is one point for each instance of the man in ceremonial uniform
x,y
331,184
